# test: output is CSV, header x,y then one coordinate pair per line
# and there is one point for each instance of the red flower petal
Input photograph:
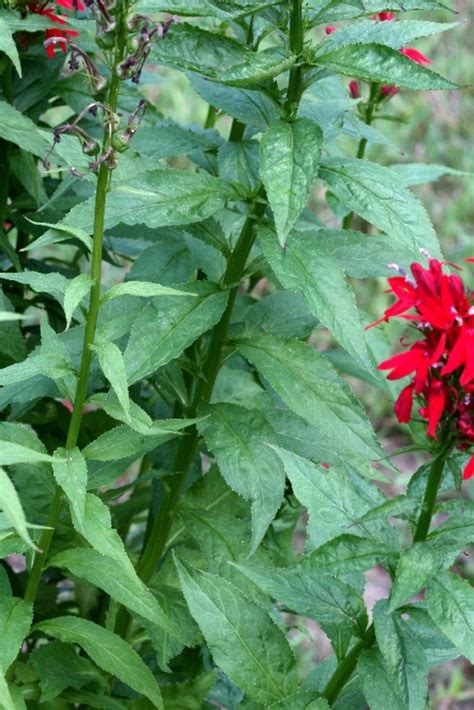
x,y
469,469
404,405
415,55
436,402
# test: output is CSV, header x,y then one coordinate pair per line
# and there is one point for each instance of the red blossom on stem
x,y
441,362
59,35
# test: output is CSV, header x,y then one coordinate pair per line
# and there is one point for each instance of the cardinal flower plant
x,y
180,351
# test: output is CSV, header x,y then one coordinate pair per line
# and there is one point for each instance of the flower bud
x,y
354,89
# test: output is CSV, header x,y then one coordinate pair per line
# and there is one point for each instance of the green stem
x,y
5,172
158,536
102,187
431,492
210,121
296,47
369,117
346,667
159,533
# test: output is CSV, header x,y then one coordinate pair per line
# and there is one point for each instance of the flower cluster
x,y
441,363
57,36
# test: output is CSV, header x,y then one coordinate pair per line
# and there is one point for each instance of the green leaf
x,y
421,173
6,699
123,442
416,567
156,198
328,600
243,640
191,694
15,621
346,554
450,601
392,34
59,233
376,62
218,57
109,651
7,45
238,438
289,158
358,254
405,661
17,128
70,472
60,667
116,580
307,266
24,167
113,366
310,387
264,316
374,193
11,453
251,107
335,10
379,688
334,501
142,289
168,326
73,295
53,283
10,502
436,646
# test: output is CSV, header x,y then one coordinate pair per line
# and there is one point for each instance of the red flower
x,y
71,4
415,55
469,469
330,29
61,35
441,362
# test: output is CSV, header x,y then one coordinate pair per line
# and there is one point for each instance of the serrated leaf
x,y
392,34
12,453
60,667
122,442
379,688
7,45
73,295
70,472
117,581
58,233
309,386
450,601
403,655
109,651
415,568
11,506
328,600
436,646
335,10
333,501
421,173
289,158
346,554
376,62
113,366
143,289
15,621
167,326
251,107
156,198
238,439
306,266
52,283
374,193
243,640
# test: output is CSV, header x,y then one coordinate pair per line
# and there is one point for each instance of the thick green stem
x,y
296,48
431,493
158,535
90,328
369,117
346,667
